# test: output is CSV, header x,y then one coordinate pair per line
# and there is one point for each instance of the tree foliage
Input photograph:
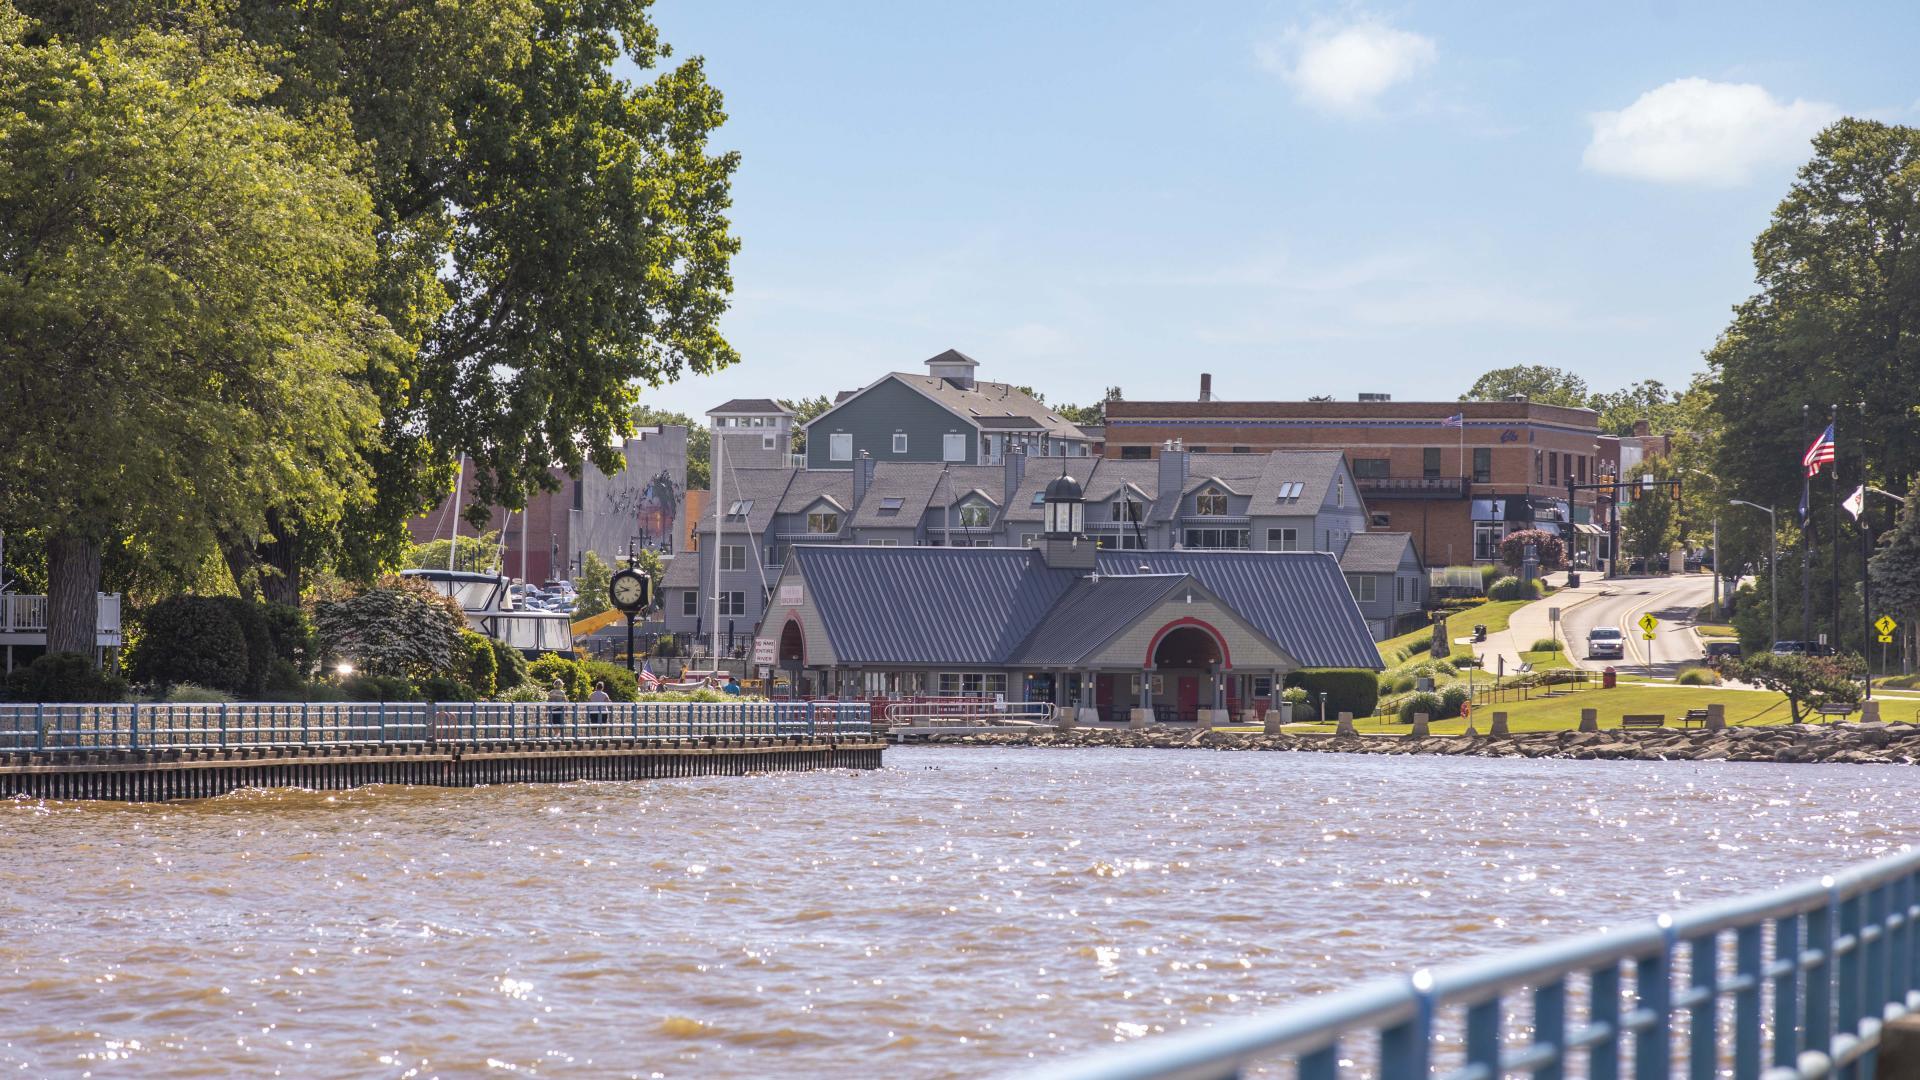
x,y
399,630
1540,383
480,554
1807,681
185,326
804,410
1548,548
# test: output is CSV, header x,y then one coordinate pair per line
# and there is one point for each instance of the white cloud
x,y
1347,66
1696,131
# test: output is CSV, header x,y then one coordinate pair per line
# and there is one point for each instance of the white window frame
x,y
840,446
953,446
818,518
1363,587
980,513
690,605
733,604
899,442
1210,496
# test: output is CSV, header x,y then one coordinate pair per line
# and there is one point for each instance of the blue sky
x,y
1298,198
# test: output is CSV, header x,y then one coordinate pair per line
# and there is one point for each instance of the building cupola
x,y
1066,508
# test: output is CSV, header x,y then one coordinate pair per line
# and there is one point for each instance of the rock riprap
x,y
1849,744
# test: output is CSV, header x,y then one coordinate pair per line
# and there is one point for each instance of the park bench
x,y
1630,723
1694,716
1827,712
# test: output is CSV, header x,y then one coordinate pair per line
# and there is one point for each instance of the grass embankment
x,y
1563,713
1715,630
1493,614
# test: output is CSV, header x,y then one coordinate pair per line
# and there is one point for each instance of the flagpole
x,y
1866,555
1833,414
1806,540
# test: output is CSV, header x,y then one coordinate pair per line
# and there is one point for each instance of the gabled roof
x,y
1377,552
750,405
987,404
809,486
762,487
980,606
919,485
1299,599
1196,483
1090,613
1313,470
683,572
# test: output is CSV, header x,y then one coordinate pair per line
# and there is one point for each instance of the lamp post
x,y
1773,562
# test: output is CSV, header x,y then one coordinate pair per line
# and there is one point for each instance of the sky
x,y
1298,198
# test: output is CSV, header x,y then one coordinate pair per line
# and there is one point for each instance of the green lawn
x,y
1715,630
1563,713
1493,613
1547,659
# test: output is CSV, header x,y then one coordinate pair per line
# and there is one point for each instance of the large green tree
x,y
185,332
1539,382
552,237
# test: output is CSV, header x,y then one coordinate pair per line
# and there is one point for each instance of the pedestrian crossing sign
x,y
1886,626
1649,624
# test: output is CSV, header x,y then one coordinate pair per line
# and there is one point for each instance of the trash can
x,y
1606,679
1479,632
1573,580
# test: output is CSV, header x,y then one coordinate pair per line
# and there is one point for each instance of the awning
x,y
1590,530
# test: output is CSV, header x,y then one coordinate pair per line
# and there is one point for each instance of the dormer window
x,y
823,523
975,515
1127,510
1211,502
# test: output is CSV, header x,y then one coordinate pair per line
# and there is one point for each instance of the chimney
x,y
1642,429
1013,466
1173,473
862,477
1206,386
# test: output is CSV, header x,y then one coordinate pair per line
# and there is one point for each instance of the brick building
x,y
1459,490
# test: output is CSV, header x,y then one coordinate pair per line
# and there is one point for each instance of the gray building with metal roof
x,y
1120,636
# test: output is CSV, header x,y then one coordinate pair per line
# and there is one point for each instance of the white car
x,y
1604,642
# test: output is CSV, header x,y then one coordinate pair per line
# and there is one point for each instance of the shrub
x,y
1488,572
1431,704
509,665
1512,588
1453,700
479,669
1547,644
401,631
191,639
1419,646
571,673
1550,549
323,691
445,688
621,683
188,694
1302,708
1698,676
291,633
367,686
65,677
1354,690
524,691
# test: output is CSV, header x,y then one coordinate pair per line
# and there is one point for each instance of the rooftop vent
x,y
1376,397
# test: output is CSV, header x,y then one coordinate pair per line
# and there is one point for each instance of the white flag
x,y
1856,502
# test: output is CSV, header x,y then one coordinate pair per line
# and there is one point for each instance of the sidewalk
x,y
1530,623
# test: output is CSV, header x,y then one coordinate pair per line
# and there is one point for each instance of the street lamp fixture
x,y
1773,563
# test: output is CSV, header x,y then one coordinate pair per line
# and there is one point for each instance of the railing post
x,y
1703,958
223,725
1820,979
39,726
1746,1003
1321,1064
1603,1058
1849,965
133,727
303,723
1787,1028
1483,1035
383,723
1877,993
1653,981
810,729
1550,1028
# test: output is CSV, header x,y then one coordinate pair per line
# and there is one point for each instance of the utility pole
x,y
1806,541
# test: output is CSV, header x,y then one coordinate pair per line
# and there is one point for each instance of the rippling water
x,y
961,912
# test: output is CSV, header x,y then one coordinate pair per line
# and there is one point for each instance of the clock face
x,y
628,590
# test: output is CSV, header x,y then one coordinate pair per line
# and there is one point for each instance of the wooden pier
x,y
100,754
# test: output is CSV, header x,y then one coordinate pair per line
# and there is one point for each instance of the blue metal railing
x,y
1812,973
55,728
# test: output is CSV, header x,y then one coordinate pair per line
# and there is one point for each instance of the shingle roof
x,y
1091,612
750,405
919,605
1313,470
918,485
1009,422
762,487
979,606
1042,471
990,402
810,486
1375,552
683,572
1299,599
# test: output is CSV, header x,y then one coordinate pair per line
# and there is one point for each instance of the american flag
x,y
649,680
1456,420
1820,453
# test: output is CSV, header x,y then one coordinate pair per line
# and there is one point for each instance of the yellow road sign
x,y
1649,623
1885,625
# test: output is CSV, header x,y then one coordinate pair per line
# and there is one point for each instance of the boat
x,y
490,611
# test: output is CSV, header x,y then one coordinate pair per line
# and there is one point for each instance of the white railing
x,y
26,613
972,712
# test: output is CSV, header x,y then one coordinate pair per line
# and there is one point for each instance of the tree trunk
x,y
73,587
280,559
240,559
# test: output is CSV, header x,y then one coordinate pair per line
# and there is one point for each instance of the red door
x,y
1103,694
1188,701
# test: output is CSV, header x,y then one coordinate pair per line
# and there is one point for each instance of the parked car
x,y
1722,650
1802,648
1606,642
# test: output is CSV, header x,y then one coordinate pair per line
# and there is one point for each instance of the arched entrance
x,y
1189,656
793,656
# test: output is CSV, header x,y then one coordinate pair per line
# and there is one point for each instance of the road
x,y
1672,600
